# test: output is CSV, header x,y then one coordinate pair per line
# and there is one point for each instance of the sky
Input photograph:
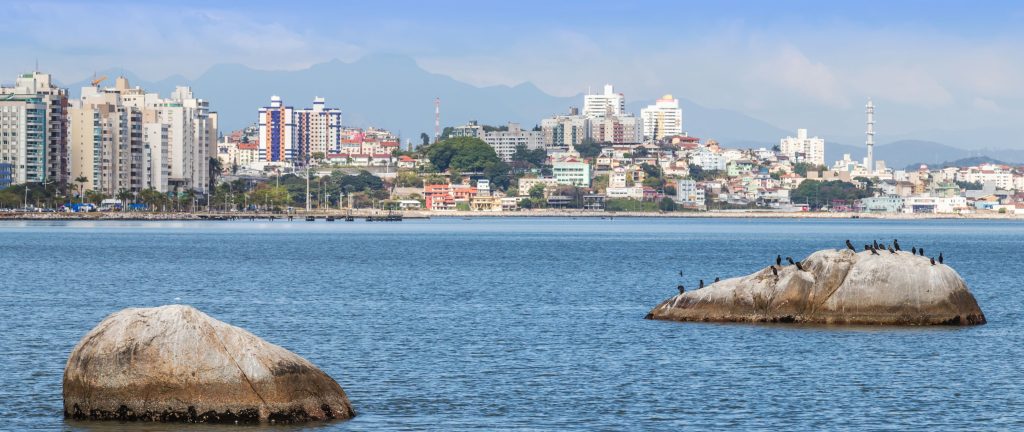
x,y
930,66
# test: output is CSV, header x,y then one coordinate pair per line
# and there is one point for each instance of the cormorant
x,y
867,248
891,250
790,260
921,251
717,279
778,259
701,284
874,251
933,261
874,243
940,257
913,250
681,289
850,245
896,244
798,266
775,271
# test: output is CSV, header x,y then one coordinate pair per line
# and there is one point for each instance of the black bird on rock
x,y
891,250
717,279
933,261
874,251
874,243
867,247
940,257
790,260
921,251
775,271
913,250
850,245
798,266
701,284
778,259
896,244
681,289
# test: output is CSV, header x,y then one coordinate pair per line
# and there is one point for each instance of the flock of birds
x,y
874,247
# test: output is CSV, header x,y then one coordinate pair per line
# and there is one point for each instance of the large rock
x,y
177,364
837,287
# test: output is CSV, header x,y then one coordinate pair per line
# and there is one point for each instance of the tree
x,y
216,168
666,204
588,148
81,180
537,191
467,154
425,139
124,195
535,157
821,193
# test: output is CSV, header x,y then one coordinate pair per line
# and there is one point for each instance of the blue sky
x,y
929,65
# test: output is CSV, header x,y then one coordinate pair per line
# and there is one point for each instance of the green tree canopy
x,y
588,148
821,193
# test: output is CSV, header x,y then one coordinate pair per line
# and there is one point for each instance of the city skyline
x,y
929,66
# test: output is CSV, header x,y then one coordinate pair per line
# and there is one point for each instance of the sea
x,y
524,323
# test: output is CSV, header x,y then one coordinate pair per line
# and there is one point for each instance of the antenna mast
x,y
870,160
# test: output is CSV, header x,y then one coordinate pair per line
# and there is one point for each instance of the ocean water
x,y
452,324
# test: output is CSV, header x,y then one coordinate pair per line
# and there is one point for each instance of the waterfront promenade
x,y
559,213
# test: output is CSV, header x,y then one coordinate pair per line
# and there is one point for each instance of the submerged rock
x,y
177,364
836,287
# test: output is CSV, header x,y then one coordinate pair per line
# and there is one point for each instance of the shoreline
x,y
423,214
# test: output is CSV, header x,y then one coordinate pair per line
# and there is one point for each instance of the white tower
x,y
869,161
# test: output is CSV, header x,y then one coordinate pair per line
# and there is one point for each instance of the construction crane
x,y
97,81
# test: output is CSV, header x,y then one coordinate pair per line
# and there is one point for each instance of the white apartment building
x,y
708,160
106,147
471,129
33,129
688,192
662,119
803,149
605,104
505,142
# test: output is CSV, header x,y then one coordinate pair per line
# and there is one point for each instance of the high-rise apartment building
x,y
106,142
33,129
605,104
662,119
564,132
277,132
803,149
317,130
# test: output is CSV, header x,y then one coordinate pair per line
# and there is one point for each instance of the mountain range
x,y
395,93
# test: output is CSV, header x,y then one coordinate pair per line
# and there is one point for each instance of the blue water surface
x,y
510,323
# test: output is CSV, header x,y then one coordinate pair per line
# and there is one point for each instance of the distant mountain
x,y
965,162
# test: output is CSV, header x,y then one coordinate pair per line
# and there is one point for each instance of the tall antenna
x,y
870,160
437,119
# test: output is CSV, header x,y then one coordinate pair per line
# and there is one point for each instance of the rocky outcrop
x,y
835,287
177,364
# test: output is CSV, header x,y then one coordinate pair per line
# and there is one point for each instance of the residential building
x,y
527,183
106,143
615,129
663,119
803,148
572,172
606,104
689,192
883,204
33,129
317,130
505,142
277,133
564,132
471,129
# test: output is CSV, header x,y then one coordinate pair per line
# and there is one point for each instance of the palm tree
x,y
215,169
81,180
124,195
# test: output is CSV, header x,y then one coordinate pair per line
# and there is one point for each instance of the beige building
x,y
106,147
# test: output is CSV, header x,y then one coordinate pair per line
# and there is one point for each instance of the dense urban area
x,y
122,148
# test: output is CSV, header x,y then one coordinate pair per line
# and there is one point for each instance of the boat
x,y
310,218
330,218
